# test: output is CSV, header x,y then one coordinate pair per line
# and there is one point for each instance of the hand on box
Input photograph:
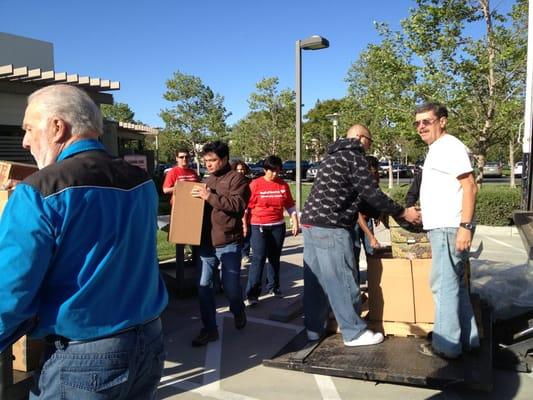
x,y
200,192
10,184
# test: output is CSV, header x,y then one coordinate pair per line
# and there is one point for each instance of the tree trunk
x,y
511,163
391,177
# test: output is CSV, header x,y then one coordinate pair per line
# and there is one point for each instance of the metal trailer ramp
x,y
396,360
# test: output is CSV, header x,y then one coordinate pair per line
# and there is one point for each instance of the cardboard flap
x,y
187,215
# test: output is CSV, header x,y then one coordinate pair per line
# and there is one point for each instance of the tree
x,y
196,116
269,126
118,112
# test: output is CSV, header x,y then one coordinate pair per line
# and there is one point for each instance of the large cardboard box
x,y
27,354
399,289
14,170
424,306
408,241
187,215
4,196
390,289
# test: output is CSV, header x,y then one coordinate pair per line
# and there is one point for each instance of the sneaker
x,y
252,301
240,320
428,350
312,336
276,292
245,260
367,338
205,337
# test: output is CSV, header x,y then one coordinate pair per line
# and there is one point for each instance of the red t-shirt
x,y
179,174
268,199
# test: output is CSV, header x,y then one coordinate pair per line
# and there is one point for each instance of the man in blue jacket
x,y
78,255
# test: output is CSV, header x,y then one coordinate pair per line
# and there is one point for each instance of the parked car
x,y
288,170
256,170
402,170
518,169
311,172
492,169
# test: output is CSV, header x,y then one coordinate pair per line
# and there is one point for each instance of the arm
x,y
234,201
364,227
169,182
27,242
413,194
468,184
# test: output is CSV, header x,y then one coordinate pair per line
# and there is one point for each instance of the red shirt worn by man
x,y
181,172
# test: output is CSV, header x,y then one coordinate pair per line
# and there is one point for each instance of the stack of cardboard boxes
x,y
26,352
400,298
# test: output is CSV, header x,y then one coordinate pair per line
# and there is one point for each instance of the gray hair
x,y
70,104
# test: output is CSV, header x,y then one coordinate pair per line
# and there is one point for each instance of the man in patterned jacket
x,y
330,213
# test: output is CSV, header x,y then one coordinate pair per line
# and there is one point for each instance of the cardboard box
x,y
424,306
399,289
390,289
187,215
4,196
408,241
14,170
27,354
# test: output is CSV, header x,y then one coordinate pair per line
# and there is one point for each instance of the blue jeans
x,y
229,257
246,244
329,274
128,365
267,242
455,325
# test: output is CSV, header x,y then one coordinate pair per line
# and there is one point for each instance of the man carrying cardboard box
x,y
226,196
78,255
447,198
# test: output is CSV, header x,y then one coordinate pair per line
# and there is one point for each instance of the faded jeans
x,y
455,327
330,276
128,365
229,257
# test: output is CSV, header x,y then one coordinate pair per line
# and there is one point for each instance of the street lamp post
x,y
311,43
334,118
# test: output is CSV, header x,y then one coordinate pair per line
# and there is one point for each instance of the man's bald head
x,y
362,133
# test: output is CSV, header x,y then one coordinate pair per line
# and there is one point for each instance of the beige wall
x,y
21,52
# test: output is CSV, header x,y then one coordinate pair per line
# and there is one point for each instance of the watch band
x,y
467,225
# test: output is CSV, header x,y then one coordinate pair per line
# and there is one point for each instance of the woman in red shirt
x,y
270,195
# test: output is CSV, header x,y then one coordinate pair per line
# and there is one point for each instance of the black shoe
x,y
276,292
205,337
428,350
240,320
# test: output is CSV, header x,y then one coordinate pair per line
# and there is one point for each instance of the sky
x,y
230,44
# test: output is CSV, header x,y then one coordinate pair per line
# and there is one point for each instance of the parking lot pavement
x,y
231,368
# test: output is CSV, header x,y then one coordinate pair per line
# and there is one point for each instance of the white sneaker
x,y
312,336
367,338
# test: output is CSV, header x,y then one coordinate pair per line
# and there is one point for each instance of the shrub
x,y
495,204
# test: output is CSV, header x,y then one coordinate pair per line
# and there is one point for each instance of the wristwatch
x,y
467,225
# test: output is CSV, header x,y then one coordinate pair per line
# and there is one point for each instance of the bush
x,y
495,204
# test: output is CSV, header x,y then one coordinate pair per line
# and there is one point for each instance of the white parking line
x,y
327,388
504,244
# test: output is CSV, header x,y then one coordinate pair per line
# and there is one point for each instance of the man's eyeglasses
x,y
182,157
424,122
366,137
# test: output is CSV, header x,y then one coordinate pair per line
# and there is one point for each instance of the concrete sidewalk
x,y
231,367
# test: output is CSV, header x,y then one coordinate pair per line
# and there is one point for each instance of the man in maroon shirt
x,y
181,172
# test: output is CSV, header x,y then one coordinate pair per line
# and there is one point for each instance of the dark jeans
x,y
267,242
127,365
229,257
246,244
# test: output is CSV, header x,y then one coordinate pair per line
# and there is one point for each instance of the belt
x,y
53,339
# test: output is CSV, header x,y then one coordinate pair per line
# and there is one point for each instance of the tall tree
x,y
118,112
196,116
269,126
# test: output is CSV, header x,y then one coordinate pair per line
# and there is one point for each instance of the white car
x,y
518,169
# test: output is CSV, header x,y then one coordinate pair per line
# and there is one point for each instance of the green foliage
x,y
165,249
494,204
197,114
118,112
269,127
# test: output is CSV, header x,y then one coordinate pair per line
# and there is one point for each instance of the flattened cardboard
x,y
187,215
14,170
27,354
390,289
4,196
424,306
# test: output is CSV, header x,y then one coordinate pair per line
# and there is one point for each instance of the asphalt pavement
x,y
231,368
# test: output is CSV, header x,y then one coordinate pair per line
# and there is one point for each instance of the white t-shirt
x,y
441,194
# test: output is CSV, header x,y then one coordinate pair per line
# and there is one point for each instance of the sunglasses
x,y
424,122
367,138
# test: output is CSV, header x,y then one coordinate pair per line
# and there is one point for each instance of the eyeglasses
x,y
424,122
367,138
182,157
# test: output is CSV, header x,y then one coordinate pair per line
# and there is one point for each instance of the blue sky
x,y
229,44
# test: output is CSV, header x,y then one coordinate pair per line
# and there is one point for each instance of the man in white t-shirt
x,y
447,198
